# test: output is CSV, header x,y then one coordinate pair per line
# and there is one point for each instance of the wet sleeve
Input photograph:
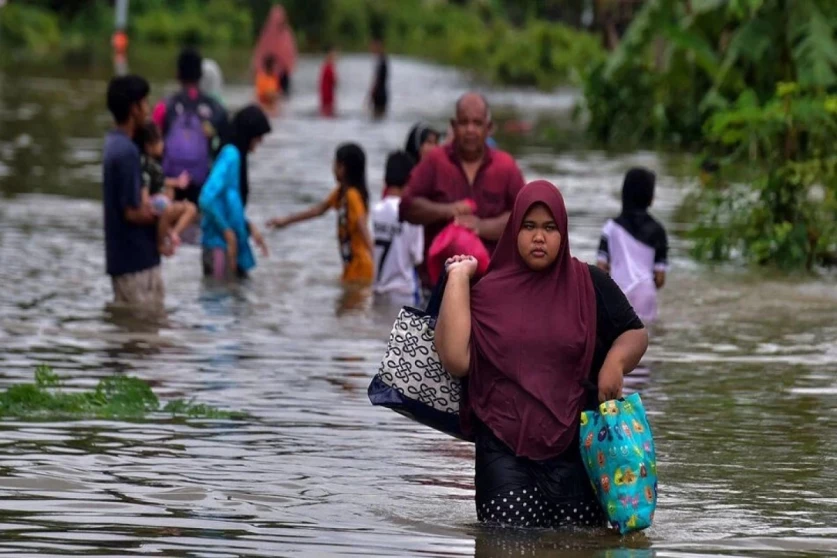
x,y
420,185
614,314
661,251
515,185
224,174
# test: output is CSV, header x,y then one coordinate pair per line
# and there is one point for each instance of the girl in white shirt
x,y
634,246
399,246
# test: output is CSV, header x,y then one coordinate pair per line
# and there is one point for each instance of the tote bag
x,y
618,452
411,380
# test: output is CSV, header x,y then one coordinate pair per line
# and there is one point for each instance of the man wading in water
x,y
464,169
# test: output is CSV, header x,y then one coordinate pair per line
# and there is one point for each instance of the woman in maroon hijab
x,y
540,338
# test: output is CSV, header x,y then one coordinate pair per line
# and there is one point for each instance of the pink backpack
x,y
455,240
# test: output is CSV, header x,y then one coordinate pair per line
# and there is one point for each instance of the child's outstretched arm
x,y
310,213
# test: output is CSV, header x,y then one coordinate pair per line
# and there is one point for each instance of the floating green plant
x,y
113,397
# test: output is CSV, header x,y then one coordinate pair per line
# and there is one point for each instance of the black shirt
x,y
614,316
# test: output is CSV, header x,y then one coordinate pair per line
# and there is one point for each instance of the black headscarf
x,y
249,123
638,190
637,195
417,136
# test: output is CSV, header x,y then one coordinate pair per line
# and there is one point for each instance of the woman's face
x,y
255,142
429,144
539,240
339,171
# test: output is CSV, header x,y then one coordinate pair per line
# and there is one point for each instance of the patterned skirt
x,y
521,492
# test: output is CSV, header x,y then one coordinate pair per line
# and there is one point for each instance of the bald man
x,y
465,168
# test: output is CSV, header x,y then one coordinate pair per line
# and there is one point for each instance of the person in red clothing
x,y
464,169
328,83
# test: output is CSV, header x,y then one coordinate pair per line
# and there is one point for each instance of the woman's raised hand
x,y
462,264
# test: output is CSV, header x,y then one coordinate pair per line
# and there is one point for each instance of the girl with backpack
x,y
226,231
351,200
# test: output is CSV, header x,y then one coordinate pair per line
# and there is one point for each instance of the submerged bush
x,y
114,397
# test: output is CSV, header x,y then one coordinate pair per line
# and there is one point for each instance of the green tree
x,y
748,80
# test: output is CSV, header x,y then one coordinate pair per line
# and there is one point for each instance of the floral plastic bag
x,y
618,453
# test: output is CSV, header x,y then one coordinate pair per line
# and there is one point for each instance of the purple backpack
x,y
187,147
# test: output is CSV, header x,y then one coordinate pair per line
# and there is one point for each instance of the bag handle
x,y
435,302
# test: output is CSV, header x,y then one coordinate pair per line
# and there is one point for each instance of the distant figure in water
x,y
379,92
328,83
421,140
399,247
351,200
634,246
212,80
267,85
226,230
194,126
277,39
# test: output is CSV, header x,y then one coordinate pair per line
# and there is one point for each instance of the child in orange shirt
x,y
267,84
351,200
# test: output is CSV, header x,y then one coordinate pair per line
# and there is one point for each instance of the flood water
x,y
742,387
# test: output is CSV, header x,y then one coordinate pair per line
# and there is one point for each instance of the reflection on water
x,y
740,376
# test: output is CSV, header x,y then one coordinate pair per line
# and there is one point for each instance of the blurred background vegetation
x,y
753,85
521,42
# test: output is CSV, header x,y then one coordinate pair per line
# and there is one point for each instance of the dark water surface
x,y
742,389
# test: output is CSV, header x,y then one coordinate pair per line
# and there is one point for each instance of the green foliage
x,y
40,27
544,54
29,27
113,397
217,22
708,54
539,54
787,215
475,35
747,80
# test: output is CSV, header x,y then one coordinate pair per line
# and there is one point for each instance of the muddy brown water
x,y
741,390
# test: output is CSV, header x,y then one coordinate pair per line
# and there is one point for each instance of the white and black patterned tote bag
x,y
411,380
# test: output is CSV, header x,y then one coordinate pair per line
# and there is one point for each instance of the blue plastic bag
x,y
618,453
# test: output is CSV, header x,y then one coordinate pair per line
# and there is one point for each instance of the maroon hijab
x,y
532,339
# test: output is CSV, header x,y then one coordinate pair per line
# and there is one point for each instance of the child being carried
x,y
158,191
